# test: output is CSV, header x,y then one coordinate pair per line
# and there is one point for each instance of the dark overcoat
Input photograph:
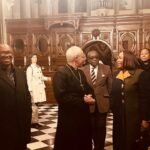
x,y
15,111
146,76
146,104
73,129
126,101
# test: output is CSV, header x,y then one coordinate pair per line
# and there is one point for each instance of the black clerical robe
x,y
73,129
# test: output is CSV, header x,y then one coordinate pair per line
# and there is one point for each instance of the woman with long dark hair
x,y
127,96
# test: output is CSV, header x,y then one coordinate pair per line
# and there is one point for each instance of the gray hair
x,y
73,52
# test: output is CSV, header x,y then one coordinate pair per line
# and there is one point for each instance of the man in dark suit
x,y
15,107
99,77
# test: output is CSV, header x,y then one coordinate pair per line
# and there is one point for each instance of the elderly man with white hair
x,y
74,95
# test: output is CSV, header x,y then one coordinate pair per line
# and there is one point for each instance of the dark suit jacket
x,y
102,87
15,111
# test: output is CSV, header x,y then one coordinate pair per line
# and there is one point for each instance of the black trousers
x,y
98,121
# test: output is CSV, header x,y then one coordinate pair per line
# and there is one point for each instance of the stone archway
x,y
103,48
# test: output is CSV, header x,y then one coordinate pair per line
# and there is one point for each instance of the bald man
x,y
99,77
15,103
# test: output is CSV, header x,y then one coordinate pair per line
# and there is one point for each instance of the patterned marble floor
x,y
43,138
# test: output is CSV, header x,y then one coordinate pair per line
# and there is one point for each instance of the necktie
x,y
93,76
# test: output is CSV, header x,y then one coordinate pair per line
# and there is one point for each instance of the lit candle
x,y
25,60
49,60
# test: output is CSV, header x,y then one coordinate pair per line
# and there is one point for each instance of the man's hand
x,y
49,79
89,99
144,124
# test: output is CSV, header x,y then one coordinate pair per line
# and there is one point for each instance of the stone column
x,y
6,13
50,5
44,8
135,6
16,10
7,8
25,9
94,4
87,7
71,7
34,9
1,21
140,4
116,6
55,7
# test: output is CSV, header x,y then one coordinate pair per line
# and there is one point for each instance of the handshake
x,y
89,99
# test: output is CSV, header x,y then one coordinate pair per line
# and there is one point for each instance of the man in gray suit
x,y
99,77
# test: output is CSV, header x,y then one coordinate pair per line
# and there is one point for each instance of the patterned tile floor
x,y
43,138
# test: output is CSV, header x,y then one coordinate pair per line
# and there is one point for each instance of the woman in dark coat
x,y
127,94
145,65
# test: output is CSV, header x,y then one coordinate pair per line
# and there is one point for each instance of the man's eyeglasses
x,y
93,57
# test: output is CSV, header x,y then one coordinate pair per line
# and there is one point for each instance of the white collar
x,y
95,68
